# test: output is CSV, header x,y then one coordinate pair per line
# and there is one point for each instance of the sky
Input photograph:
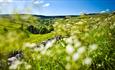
x,y
56,7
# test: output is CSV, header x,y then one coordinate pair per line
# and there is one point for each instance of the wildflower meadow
x,y
84,42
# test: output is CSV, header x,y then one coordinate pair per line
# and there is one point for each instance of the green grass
x,y
88,44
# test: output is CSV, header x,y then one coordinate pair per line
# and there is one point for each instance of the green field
x,y
86,42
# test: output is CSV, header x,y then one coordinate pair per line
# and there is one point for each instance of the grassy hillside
x,y
85,42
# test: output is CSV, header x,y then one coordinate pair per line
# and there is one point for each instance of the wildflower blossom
x,y
74,37
30,45
81,50
68,25
93,47
69,49
69,40
77,43
87,61
41,45
43,52
79,23
99,65
75,56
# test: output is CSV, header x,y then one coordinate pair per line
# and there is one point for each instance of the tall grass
x,y
87,43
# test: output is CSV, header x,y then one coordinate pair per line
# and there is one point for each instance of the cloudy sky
x,y
56,7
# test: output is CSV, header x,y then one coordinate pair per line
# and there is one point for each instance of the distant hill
x,y
42,16
45,17
58,16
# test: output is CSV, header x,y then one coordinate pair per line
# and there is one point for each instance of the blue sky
x,y
56,7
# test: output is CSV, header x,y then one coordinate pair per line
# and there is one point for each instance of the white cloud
x,y
6,0
38,2
46,5
105,11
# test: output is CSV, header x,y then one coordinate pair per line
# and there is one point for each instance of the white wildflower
x,y
99,65
69,49
75,56
30,45
43,52
93,47
64,39
56,23
74,37
79,23
81,50
87,61
77,43
41,45
69,40
68,25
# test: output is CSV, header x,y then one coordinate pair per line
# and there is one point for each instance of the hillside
x,y
40,16
74,42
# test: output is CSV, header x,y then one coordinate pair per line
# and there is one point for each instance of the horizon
x,y
58,15
56,7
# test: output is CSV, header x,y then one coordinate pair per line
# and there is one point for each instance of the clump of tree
x,y
32,24
41,29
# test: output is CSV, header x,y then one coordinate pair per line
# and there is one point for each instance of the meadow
x,y
84,42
